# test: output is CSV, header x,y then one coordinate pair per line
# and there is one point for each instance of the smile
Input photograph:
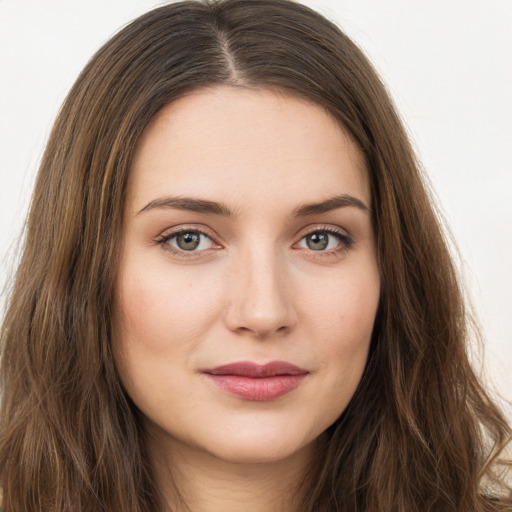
x,y
255,382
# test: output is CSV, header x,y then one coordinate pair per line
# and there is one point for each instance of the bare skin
x,y
248,240
207,484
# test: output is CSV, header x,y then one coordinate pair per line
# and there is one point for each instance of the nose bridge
x,y
260,296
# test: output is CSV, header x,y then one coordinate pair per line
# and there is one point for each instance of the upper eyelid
x,y
204,230
330,228
166,236
170,232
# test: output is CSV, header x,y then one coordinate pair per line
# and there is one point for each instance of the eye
x,y
187,240
325,240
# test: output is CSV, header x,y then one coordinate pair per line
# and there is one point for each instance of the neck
x,y
190,479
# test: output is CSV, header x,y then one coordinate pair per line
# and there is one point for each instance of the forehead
x,y
238,142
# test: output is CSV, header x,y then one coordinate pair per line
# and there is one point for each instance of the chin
x,y
261,448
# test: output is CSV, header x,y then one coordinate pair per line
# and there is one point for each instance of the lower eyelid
x,y
345,241
202,236
343,237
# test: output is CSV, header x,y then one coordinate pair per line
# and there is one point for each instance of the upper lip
x,y
255,370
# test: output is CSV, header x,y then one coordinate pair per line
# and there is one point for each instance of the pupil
x,y
317,241
188,241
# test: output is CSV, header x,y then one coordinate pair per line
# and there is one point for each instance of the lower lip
x,y
262,389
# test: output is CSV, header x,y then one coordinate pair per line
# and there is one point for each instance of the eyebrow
x,y
216,208
341,201
189,204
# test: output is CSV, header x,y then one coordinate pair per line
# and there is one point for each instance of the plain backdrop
x,y
447,63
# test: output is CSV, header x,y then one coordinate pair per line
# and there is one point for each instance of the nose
x,y
260,296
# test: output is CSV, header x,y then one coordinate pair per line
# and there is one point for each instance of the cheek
x,y
156,307
344,310
161,318
342,317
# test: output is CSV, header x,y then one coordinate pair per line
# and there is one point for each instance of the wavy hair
x,y
421,434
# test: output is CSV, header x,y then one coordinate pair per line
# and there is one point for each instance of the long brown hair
x,y
420,433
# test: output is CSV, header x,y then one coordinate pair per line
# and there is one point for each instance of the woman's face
x,y
248,281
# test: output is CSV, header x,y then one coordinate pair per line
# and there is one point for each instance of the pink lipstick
x,y
252,381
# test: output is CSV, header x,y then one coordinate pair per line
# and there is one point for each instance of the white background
x,y
447,63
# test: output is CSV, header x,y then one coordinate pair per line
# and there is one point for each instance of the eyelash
x,y
165,238
345,241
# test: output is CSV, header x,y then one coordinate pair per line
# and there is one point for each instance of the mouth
x,y
255,382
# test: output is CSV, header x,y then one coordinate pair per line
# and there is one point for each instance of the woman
x,y
235,291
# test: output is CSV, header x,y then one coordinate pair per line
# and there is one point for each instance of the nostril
x,y
263,332
259,305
